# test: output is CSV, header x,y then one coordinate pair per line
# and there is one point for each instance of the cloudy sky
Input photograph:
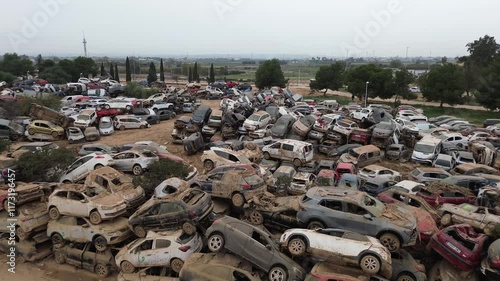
x,y
245,27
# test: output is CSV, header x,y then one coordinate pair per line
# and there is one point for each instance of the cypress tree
x,y
111,71
162,72
190,75
212,74
128,74
103,72
117,76
196,76
152,73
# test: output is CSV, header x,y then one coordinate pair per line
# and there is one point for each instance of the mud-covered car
x,y
480,218
117,183
437,194
339,246
471,169
361,136
445,271
398,152
44,113
259,249
461,246
490,266
78,200
221,156
401,195
274,212
23,193
31,218
323,271
356,211
92,134
405,268
217,267
338,151
185,210
80,230
238,185
87,257
36,248
156,273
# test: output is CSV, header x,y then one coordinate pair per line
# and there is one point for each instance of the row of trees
x,y
113,71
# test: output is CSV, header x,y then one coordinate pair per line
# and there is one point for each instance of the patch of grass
x,y
340,99
476,117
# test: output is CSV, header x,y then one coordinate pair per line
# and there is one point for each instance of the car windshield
x,y
216,117
442,162
328,120
105,125
424,148
353,154
83,117
16,126
343,124
384,126
254,117
304,121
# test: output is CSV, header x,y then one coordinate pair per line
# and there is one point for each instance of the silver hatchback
x,y
135,161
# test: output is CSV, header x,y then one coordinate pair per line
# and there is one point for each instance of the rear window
x,y
148,154
415,172
306,199
193,197
253,180
442,162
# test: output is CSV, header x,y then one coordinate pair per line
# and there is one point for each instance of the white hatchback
x,y
84,165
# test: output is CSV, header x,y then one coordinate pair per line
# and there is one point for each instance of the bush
x,y
158,172
4,145
134,90
45,165
7,77
51,101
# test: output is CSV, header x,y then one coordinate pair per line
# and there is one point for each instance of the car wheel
x,y
98,166
297,162
100,244
101,270
405,277
21,234
57,240
390,241
176,264
95,217
107,106
31,131
315,225
140,231
55,135
59,257
137,170
277,273
267,156
141,127
297,246
54,213
208,165
66,181
189,228
5,204
121,128
127,267
256,218
398,179
20,259
370,264
128,107
238,200
215,242
446,219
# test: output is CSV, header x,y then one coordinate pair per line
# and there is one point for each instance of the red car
x,y
451,197
41,82
362,136
232,84
461,246
345,168
93,86
107,112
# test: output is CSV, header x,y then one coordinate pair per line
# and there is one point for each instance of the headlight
x,y
104,207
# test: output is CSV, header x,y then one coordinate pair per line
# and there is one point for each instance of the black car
x,y
245,86
201,115
186,209
278,214
219,84
490,122
165,114
337,152
87,257
282,126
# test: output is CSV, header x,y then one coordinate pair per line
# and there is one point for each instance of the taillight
x,y
216,222
246,186
99,157
420,268
495,261
184,248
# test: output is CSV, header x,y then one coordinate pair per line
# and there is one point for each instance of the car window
x,y
62,194
144,246
167,208
356,210
233,158
162,243
287,147
259,238
75,196
332,204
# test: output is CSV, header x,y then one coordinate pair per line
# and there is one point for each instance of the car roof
x,y
366,148
430,170
376,167
344,193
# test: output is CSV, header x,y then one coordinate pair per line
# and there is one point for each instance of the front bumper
x,y
109,214
125,235
249,194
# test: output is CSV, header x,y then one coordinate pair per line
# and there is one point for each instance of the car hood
x,y
399,215
105,199
130,193
119,224
425,222
346,158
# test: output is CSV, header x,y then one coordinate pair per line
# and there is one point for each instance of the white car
x,y
453,123
261,133
326,122
67,100
170,187
84,165
216,157
84,80
339,246
119,104
157,98
453,141
85,118
162,105
134,161
378,174
97,102
106,127
158,249
257,120
87,202
402,123
301,182
478,136
361,114
408,113
80,230
345,126
69,111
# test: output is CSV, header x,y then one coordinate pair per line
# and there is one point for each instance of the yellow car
x,y
45,127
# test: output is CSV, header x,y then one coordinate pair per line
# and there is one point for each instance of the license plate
x,y
455,248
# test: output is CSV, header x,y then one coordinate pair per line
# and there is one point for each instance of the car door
x,y
162,250
358,219
150,218
170,214
77,204
223,187
256,251
330,210
144,254
81,229
287,151
120,161
274,150
134,123
78,170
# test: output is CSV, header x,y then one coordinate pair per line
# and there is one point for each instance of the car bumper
x,y
112,214
451,256
422,161
386,270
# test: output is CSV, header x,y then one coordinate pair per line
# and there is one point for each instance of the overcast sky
x,y
242,27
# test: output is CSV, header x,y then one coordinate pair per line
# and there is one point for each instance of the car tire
x,y
137,170
215,242
315,225
100,244
238,200
255,217
21,234
95,218
122,128
446,219
297,162
176,264
405,277
101,270
297,246
208,165
59,257
141,127
390,241
370,264
189,228
57,240
54,213
106,106
128,107
55,135
140,231
127,267
98,166
31,131
267,156
277,273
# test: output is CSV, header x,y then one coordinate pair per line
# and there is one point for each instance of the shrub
x,y
135,90
160,171
50,101
45,165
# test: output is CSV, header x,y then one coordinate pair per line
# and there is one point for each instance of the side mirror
x,y
83,201
367,216
85,225
269,247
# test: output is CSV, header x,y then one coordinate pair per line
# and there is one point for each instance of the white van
x,y
298,152
123,122
426,150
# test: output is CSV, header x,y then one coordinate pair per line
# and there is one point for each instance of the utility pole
x,y
84,44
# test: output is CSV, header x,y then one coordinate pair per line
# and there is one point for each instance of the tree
x,y
103,71
212,74
489,86
18,66
400,86
269,74
444,84
380,81
162,71
128,74
55,75
471,75
39,60
396,64
117,75
46,165
329,77
483,50
190,75
80,66
7,77
196,76
158,172
152,73
111,70
46,64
